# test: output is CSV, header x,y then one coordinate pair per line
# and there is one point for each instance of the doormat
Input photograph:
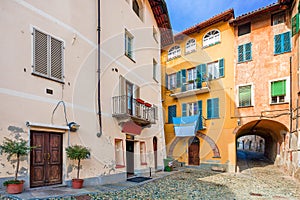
x,y
138,179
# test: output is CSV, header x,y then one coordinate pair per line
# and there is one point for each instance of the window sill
x,y
204,47
173,58
279,103
189,52
213,118
275,54
246,61
246,106
130,58
51,79
120,166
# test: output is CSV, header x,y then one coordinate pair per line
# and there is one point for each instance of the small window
x,y
245,52
191,109
47,56
174,52
137,8
245,96
278,18
172,81
119,153
211,38
128,45
213,108
215,70
282,43
191,79
244,29
278,91
143,153
190,46
155,71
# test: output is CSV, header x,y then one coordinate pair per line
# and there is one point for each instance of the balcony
x,y
188,126
190,88
126,109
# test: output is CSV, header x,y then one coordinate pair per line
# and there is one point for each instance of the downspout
x,y
98,71
291,106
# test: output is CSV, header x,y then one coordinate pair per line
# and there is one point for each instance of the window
x,y
215,70
171,81
155,71
128,45
278,91
282,43
245,96
192,75
192,109
211,38
174,52
213,108
295,24
278,18
244,52
119,153
143,153
47,56
171,113
136,7
190,46
244,29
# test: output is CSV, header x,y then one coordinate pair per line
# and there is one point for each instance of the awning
x,y
187,126
131,128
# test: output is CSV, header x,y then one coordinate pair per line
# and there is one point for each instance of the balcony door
x,y
129,94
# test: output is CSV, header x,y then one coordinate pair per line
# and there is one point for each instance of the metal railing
x,y
193,84
125,105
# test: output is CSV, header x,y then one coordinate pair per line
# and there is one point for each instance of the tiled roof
x,y
160,11
224,16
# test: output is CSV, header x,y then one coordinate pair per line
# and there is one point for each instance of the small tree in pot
x,y
77,152
17,148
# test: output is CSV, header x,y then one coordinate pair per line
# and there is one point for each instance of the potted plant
x,y
77,152
17,148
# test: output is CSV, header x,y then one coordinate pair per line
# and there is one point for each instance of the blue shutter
x,y
221,67
209,108
171,113
286,41
203,71
183,80
200,124
178,79
277,44
240,53
247,51
199,79
167,85
183,109
216,108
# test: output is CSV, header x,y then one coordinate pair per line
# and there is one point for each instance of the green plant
x,y
16,148
77,152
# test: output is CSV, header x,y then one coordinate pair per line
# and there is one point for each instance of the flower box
x,y
148,105
140,101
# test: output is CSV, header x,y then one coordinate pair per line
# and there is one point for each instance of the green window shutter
x,y
295,24
245,96
203,71
183,107
209,108
167,83
200,107
183,80
221,67
178,79
199,79
277,44
215,108
171,113
286,42
248,52
200,124
278,88
240,53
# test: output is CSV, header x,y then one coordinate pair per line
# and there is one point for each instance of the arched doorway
x,y
155,152
194,148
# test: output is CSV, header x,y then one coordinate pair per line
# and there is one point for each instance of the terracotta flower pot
x,y
15,188
77,183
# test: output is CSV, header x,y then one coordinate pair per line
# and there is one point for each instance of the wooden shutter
x,y
209,108
277,44
183,80
183,107
295,24
240,53
203,72
199,79
178,79
286,37
215,108
56,59
248,51
167,84
278,88
221,67
40,53
171,113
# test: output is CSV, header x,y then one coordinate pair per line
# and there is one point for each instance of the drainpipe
x,y
98,71
291,106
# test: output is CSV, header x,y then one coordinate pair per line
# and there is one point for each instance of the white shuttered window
x,y
47,56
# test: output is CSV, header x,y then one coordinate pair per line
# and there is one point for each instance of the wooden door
x,y
155,152
194,152
130,157
45,159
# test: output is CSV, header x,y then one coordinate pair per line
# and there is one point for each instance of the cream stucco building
x,y
51,67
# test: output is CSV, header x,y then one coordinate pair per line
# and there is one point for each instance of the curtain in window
x,y
245,95
278,88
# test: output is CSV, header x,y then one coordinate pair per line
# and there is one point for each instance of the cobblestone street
x,y
258,179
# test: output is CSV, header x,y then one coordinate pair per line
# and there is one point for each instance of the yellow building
x,y
198,71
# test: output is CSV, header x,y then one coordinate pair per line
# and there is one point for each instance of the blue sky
x,y
186,13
